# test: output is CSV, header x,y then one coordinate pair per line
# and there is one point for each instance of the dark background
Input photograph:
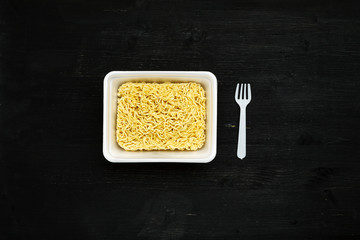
x,y
300,179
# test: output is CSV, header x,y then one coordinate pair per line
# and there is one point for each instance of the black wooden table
x,y
300,179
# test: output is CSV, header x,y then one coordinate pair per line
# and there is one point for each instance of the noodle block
x,y
161,116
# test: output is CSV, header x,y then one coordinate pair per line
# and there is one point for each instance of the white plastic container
x,y
114,153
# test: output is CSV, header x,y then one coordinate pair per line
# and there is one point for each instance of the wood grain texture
x,y
300,179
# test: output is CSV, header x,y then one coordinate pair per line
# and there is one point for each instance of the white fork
x,y
242,100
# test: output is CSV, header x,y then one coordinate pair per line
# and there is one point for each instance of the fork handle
x,y
241,150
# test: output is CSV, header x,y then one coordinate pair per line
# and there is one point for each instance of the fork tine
x,y
246,91
237,91
241,91
249,92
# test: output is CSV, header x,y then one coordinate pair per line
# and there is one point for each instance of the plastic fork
x,y
242,99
